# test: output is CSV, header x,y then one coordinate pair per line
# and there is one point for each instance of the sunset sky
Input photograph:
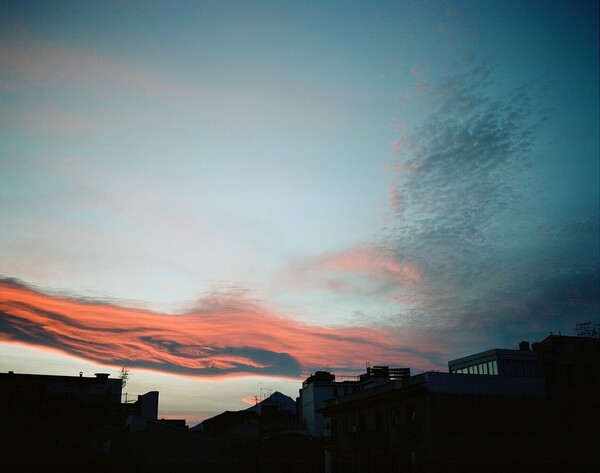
x,y
226,196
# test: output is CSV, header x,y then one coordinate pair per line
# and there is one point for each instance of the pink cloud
x,y
420,87
376,263
40,62
395,200
249,400
47,118
239,337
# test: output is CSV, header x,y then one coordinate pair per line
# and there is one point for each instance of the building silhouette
x,y
322,385
65,419
266,437
501,410
498,410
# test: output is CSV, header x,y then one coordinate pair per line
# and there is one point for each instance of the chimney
x,y
524,345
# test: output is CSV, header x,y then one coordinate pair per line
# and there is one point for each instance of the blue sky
x,y
425,173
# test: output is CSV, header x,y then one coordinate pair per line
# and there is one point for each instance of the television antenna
x,y
587,329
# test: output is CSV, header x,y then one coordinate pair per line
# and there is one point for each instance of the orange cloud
x,y
238,337
250,400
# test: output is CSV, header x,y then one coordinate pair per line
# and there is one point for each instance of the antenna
x,y
264,392
587,329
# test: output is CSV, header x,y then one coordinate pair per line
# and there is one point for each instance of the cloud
x,y
219,337
358,269
107,95
46,71
40,63
471,246
469,209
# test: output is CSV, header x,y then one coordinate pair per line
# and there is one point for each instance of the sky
x,y
226,196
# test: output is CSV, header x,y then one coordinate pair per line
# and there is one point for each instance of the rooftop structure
x,y
500,408
499,361
322,385
57,418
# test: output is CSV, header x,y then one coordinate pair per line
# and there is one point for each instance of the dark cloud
x,y
472,211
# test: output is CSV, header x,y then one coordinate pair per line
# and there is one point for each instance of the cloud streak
x,y
35,67
217,338
344,270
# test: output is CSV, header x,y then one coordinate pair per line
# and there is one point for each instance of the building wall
x,y
321,387
540,410
498,362
57,418
312,398
440,419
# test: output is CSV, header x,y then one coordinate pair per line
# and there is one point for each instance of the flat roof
x,y
494,354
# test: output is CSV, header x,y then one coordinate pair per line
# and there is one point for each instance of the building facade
x,y
67,419
321,386
58,418
431,421
528,409
499,361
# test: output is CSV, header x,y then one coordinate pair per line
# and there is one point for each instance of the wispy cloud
x,y
40,73
378,263
46,71
43,63
219,337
